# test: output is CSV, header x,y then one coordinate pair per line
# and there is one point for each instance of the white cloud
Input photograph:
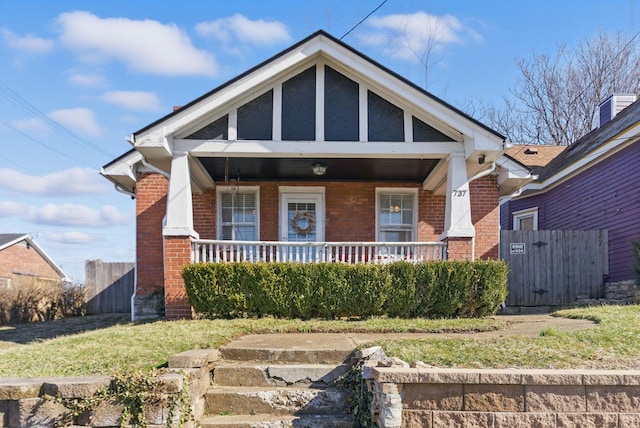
x,y
145,46
88,80
74,181
239,28
28,43
32,124
82,121
133,100
78,215
65,214
411,36
10,209
71,238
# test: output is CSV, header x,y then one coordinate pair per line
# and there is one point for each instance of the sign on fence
x,y
518,248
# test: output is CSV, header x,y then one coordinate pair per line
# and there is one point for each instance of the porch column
x,y
178,232
458,228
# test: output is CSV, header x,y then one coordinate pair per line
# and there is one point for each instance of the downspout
x,y
132,141
154,168
144,162
123,190
483,173
475,177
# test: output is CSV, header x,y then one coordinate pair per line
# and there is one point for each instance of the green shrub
x,y
334,290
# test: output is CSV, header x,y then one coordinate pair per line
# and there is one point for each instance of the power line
x,y
363,19
29,108
44,145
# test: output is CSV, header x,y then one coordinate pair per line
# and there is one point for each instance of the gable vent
x,y
613,105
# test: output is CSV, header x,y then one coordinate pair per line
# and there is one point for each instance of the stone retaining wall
x,y
24,402
434,398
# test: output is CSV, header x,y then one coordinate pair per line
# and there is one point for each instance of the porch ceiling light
x,y
319,168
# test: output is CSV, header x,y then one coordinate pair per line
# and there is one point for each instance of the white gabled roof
x,y
319,45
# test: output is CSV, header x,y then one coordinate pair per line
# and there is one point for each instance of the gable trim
x,y
307,51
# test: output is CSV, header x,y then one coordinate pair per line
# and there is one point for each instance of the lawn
x,y
107,344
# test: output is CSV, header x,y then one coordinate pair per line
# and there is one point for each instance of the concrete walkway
x,y
292,347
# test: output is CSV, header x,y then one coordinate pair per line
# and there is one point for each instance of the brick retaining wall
x,y
434,398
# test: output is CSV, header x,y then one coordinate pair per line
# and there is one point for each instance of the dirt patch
x,y
23,334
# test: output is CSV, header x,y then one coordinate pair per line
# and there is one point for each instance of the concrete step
x,y
222,400
294,348
261,374
277,421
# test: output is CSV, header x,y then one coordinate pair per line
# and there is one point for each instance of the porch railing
x,y
315,252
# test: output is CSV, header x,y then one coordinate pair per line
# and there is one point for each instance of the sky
x,y
78,77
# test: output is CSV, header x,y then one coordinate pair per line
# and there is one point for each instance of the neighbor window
x,y
396,215
238,217
526,219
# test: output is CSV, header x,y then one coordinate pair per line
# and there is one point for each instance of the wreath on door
x,y
303,217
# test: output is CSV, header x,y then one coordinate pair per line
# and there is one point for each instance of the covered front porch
x,y
317,155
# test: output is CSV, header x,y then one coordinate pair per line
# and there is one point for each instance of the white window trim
x,y
239,189
519,215
396,190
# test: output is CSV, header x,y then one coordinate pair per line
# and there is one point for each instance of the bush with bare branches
x,y
33,299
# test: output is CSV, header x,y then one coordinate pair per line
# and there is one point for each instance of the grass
x,y
613,344
101,349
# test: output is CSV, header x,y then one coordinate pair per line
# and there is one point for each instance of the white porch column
x,y
179,203
457,220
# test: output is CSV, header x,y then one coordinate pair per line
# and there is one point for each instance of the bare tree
x,y
556,97
424,49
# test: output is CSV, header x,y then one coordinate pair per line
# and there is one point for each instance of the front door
x,y
302,220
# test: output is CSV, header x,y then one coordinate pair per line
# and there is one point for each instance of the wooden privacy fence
x,y
554,267
108,286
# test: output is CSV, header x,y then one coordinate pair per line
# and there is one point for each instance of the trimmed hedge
x,y
441,289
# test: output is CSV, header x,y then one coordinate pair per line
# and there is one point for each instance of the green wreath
x,y
305,215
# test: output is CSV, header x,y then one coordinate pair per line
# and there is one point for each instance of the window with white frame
x,y
396,215
526,219
238,213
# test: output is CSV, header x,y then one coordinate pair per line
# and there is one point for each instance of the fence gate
x,y
554,267
108,286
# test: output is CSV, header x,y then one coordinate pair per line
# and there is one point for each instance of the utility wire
x,y
363,19
44,145
29,108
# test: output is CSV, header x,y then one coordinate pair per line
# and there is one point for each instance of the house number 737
x,y
459,193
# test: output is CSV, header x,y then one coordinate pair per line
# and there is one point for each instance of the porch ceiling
x,y
299,169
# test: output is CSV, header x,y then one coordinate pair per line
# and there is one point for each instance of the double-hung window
x,y
238,213
396,215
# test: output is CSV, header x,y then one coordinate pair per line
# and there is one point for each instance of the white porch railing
x,y
203,250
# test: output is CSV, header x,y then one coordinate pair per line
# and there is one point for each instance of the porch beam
x,y
333,149
179,202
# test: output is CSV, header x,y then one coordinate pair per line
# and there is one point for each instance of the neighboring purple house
x,y
593,184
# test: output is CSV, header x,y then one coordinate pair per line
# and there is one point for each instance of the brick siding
x,y
350,216
151,207
18,260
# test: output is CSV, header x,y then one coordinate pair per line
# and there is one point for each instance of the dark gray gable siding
x,y
606,196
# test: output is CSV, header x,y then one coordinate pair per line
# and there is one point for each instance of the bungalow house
x,y
592,184
23,262
317,154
